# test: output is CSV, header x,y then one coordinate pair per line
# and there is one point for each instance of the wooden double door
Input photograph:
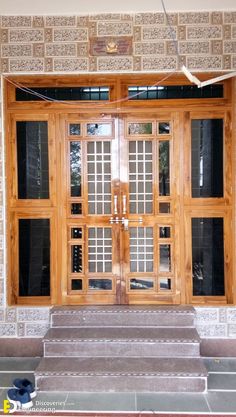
x,y
119,187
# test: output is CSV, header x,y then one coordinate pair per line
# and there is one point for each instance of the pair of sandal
x,y
22,394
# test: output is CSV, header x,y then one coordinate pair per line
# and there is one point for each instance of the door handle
x,y
124,204
115,204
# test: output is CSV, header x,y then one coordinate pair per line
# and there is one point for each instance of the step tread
x,y
116,309
114,334
176,367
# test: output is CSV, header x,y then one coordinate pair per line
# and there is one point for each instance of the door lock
x,y
124,221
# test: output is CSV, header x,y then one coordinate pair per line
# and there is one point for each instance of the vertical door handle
x,y
115,204
124,204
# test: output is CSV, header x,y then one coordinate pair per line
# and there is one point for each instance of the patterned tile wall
x,y
43,44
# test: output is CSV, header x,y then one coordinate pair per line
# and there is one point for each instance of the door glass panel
x,y
76,258
140,177
208,256
77,284
165,258
164,207
165,284
34,257
141,249
76,233
99,177
76,208
100,284
100,249
164,232
99,129
32,160
141,284
207,158
164,128
164,168
140,128
75,169
74,129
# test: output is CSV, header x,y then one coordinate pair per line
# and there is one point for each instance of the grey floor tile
x,y
171,402
50,401
220,364
101,402
225,382
19,364
6,378
222,401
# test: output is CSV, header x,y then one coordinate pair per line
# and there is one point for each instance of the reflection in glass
x,y
34,257
77,284
207,158
76,208
164,167
165,258
140,128
74,129
75,169
164,128
208,256
32,160
165,284
164,207
99,129
141,284
76,258
76,233
164,232
100,284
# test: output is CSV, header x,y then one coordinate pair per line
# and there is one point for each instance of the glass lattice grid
x,y
141,249
140,177
100,249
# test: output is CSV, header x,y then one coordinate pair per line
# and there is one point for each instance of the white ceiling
x,y
24,7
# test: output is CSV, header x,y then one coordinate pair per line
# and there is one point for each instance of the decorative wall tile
x,y
26,65
70,65
159,32
171,19
159,63
48,64
1,286
36,329
232,330
194,18
149,19
26,35
230,47
226,31
217,47
16,50
229,17
202,63
82,49
25,314
16,21
38,50
10,315
223,315
231,315
2,315
149,48
105,16
171,48
137,33
188,48
234,62
182,61
115,63
207,315
234,32
20,329
4,35
71,35
48,34
137,63
99,46
114,29
38,21
92,29
60,49
181,32
2,300
204,32
61,21
82,20
8,330
216,18
126,16
92,64
211,330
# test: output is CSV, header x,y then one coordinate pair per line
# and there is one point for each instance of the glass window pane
x,y
165,284
76,258
99,129
207,158
76,233
77,284
165,258
32,160
74,129
76,208
140,128
164,128
208,256
141,284
34,257
100,284
164,232
164,207
164,167
75,169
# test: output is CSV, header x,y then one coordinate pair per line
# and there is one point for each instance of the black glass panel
x,y
165,284
77,284
208,256
161,92
63,93
100,284
74,129
164,167
164,128
75,169
164,207
76,208
76,258
32,160
207,158
76,233
164,232
34,257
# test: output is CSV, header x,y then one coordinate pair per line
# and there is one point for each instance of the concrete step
x,y
121,316
121,375
122,342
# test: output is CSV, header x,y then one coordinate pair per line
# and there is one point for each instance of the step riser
x,y
120,384
116,349
122,320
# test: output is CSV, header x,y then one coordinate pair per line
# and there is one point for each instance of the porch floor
x,y
220,398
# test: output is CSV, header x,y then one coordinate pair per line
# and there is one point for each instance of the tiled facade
x,y
42,44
